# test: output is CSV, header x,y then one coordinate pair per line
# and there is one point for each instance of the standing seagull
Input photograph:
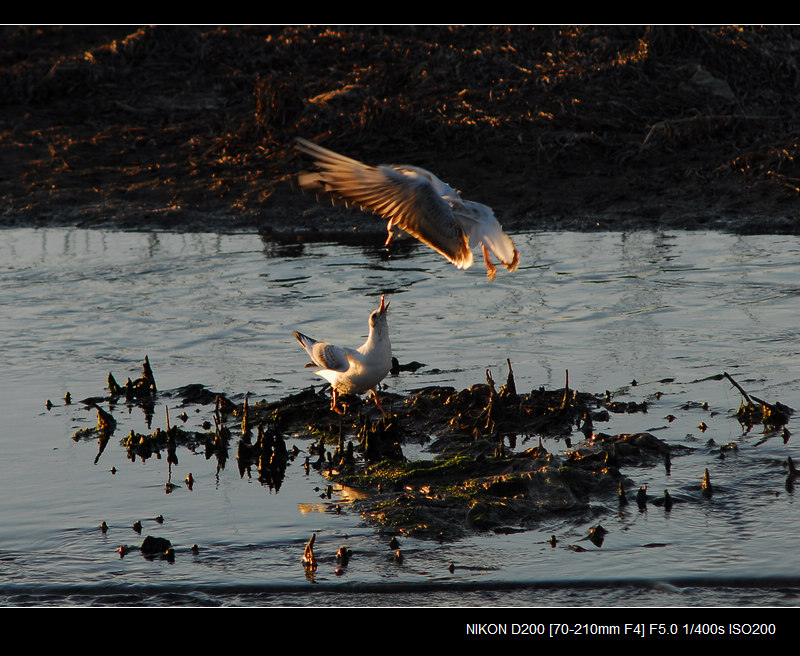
x,y
413,200
354,371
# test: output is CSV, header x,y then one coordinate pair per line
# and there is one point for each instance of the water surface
x,y
669,311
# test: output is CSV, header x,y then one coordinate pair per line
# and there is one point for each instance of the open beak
x,y
384,306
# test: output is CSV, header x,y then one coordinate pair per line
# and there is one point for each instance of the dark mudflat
x,y
191,128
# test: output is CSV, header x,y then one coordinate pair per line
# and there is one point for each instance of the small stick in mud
x,y
641,498
511,386
309,562
623,499
792,475
565,401
737,386
667,501
343,556
705,486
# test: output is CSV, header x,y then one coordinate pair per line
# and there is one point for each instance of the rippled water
x,y
668,310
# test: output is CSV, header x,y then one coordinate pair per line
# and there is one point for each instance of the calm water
x,y
219,310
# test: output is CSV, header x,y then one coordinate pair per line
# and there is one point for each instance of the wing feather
x,y
324,354
404,196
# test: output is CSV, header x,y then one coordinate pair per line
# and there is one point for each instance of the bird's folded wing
x,y
405,198
330,356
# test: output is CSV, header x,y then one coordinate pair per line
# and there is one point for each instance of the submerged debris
x,y
623,499
343,556
151,548
154,546
753,410
106,425
142,388
268,454
597,535
641,498
792,474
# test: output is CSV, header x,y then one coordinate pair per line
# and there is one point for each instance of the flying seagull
x,y
354,370
413,200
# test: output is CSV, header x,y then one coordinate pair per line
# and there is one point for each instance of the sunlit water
x,y
668,310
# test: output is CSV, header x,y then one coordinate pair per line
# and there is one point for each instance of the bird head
x,y
379,314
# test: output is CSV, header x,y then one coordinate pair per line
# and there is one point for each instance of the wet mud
x,y
588,128
484,467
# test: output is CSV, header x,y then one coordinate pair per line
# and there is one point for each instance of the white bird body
x,y
413,200
354,370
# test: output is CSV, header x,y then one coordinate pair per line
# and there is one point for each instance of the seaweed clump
x,y
754,411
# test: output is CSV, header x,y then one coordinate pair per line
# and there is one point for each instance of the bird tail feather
x,y
305,341
501,245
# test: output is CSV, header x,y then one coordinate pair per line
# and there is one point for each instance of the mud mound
x,y
483,470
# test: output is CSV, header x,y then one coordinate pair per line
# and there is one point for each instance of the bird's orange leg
x,y
334,402
514,262
390,236
491,269
378,403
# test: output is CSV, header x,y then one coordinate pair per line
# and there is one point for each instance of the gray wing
x,y
324,354
404,196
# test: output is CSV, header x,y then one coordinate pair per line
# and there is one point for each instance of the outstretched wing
x,y
405,196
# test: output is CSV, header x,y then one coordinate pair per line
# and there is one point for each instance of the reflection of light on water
x,y
671,311
307,508
349,494
341,494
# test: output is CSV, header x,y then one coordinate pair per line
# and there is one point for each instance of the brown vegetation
x,y
578,127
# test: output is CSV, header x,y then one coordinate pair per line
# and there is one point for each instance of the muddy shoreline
x,y
557,128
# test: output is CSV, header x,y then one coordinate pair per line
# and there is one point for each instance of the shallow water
x,y
667,310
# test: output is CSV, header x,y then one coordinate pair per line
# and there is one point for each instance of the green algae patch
x,y
448,497
391,474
